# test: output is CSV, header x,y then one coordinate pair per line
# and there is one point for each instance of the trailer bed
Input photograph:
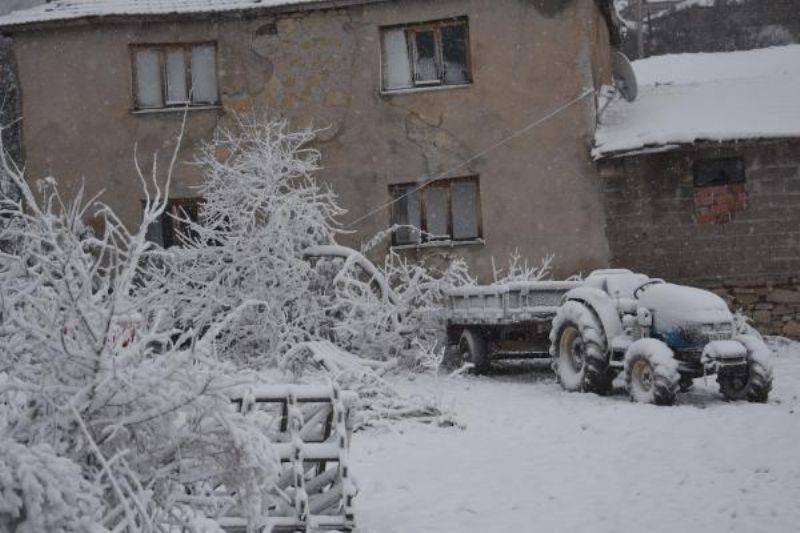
x,y
506,304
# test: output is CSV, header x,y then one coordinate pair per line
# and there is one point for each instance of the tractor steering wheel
x,y
652,281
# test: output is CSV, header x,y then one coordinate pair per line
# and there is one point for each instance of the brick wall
x,y
741,240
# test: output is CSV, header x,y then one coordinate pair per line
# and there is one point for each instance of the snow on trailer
x,y
502,321
657,337
506,303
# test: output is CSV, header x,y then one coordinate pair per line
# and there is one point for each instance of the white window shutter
x,y
396,64
465,210
204,75
436,212
148,79
176,77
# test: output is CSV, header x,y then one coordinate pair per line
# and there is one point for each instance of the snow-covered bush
x,y
40,491
98,385
396,319
520,269
266,244
261,210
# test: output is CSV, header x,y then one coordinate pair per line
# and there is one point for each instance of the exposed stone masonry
x,y
773,309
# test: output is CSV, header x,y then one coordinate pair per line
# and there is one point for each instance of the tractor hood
x,y
677,307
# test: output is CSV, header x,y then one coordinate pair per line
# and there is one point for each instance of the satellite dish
x,y
624,77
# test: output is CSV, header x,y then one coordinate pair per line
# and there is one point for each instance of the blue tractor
x,y
655,336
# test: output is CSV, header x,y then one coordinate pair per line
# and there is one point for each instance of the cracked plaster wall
x,y
539,192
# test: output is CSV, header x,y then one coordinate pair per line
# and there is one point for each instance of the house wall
x,y
539,192
741,240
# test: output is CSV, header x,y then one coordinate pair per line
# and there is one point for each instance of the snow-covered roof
x,y
63,10
686,98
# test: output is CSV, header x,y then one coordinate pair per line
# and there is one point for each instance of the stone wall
x,y
742,240
773,309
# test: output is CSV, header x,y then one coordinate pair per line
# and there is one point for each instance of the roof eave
x,y
241,13
598,155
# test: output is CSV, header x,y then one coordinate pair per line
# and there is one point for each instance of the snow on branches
x,y
97,385
267,241
261,209
118,357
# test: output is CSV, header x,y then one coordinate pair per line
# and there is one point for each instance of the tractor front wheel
x,y
651,373
756,383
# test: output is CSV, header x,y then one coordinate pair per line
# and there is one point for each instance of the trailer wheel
x,y
472,349
757,383
651,372
578,348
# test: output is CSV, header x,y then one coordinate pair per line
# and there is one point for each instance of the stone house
x,y
406,91
701,178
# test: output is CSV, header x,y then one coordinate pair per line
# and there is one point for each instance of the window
x,y
167,230
719,172
426,55
175,76
446,210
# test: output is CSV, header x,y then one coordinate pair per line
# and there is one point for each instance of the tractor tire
x,y
579,349
686,384
758,383
472,349
651,372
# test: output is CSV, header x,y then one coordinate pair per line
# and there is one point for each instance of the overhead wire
x,y
517,133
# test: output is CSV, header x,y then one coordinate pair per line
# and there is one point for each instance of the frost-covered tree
x,y
102,392
266,245
261,210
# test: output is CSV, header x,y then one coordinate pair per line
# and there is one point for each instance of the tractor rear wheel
x,y
651,372
579,349
472,349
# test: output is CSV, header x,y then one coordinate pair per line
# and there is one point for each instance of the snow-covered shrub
x,y
261,210
394,318
266,244
40,491
520,269
94,373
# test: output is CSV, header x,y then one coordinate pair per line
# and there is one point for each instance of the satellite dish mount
x,y
624,77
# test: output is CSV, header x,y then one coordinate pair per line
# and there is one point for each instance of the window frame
x,y
446,184
716,160
162,50
411,44
169,237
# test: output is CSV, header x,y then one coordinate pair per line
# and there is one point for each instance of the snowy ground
x,y
535,458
